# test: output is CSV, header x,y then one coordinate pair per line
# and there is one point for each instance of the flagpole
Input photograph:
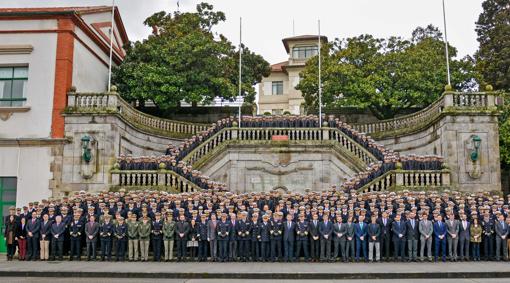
x,y
111,49
320,82
446,45
240,66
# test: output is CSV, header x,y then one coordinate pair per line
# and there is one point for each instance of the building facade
x,y
277,92
43,53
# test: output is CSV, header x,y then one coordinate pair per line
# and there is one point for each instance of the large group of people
x,y
325,226
386,159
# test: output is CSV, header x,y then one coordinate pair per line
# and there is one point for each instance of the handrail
x,y
265,134
448,100
155,178
396,179
112,103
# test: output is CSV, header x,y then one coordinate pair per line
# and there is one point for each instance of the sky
x,y
266,22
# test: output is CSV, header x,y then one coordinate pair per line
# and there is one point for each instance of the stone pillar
x,y
445,176
448,99
399,178
325,134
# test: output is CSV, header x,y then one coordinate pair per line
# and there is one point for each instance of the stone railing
x,y
403,179
448,101
153,179
113,103
267,134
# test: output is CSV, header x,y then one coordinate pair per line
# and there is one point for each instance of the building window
x,y
7,199
277,111
13,86
277,88
304,52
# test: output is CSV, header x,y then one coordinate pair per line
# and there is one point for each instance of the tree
x,y
184,60
493,61
385,75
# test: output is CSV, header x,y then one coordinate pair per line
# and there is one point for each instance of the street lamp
x,y
476,140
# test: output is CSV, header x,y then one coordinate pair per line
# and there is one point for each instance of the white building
x,y
277,92
43,52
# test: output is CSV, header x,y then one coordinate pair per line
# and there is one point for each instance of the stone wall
x,y
110,137
296,167
451,137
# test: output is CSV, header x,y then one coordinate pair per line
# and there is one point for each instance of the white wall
x,y
31,165
89,73
35,123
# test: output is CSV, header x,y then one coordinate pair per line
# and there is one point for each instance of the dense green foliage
x,y
493,61
385,75
184,60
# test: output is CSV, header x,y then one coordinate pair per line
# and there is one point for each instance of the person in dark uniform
x,y
488,237
264,238
75,232
276,237
105,236
243,234
302,238
58,230
223,228
255,238
120,233
202,238
157,236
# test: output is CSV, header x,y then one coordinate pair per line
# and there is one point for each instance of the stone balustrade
x,y
449,100
151,179
402,179
266,134
113,103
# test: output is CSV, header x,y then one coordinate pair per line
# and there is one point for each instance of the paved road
x,y
99,280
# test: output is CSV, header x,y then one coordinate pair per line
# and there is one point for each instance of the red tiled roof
x,y
56,11
81,10
278,67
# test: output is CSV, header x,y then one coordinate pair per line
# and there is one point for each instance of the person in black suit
x,y
182,230
289,237
33,227
398,228
385,236
21,237
58,230
412,236
314,237
326,233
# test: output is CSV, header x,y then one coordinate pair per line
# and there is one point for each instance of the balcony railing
x,y
112,103
456,101
166,179
403,179
266,134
